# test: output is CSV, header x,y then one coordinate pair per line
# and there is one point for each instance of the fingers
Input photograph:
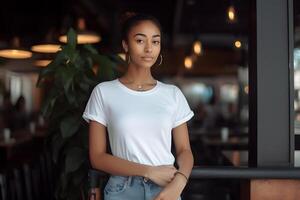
x,y
174,169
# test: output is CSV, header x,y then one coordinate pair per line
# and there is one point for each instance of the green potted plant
x,y
68,81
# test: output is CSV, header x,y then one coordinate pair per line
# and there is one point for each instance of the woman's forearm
x,y
185,161
118,166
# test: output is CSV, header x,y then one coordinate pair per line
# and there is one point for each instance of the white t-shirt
x,y
139,123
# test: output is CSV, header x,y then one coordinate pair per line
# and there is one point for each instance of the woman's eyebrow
x,y
140,34
143,35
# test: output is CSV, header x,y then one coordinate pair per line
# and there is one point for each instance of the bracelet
x,y
178,172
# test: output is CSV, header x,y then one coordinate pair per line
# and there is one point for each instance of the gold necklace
x,y
140,86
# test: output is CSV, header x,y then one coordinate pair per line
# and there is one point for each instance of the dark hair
x,y
131,19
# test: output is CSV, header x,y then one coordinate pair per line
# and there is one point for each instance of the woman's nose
x,y
148,47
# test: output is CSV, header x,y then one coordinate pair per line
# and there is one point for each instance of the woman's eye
x,y
156,42
139,41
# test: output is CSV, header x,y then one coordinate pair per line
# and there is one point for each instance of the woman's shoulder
x,y
169,86
169,89
106,84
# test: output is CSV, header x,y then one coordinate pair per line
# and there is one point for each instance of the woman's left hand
x,y
173,190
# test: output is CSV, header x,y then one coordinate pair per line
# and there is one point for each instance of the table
x,y
22,143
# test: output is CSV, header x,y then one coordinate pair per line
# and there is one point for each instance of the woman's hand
x,y
173,190
162,175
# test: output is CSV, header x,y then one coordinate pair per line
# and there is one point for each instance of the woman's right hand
x,y
162,174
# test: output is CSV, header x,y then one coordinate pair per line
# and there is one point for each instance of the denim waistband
x,y
131,179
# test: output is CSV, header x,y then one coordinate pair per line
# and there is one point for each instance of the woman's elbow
x,y
95,159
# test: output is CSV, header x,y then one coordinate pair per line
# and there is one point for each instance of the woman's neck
x,y
139,75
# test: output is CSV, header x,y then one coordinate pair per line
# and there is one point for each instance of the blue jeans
x,y
130,188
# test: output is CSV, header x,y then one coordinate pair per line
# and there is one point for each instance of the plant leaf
x,y
105,71
74,159
69,125
90,49
72,38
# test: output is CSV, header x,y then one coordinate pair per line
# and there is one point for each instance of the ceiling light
x,y
15,52
83,36
231,13
46,48
188,63
197,47
42,63
238,44
246,89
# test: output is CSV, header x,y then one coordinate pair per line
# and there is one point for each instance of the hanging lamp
x,y
83,36
49,46
16,52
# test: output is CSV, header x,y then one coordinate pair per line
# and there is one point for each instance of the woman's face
x,y
143,44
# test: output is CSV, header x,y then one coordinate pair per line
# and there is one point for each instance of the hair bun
x,y
127,15
131,19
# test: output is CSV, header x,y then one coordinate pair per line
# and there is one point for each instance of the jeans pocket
x,y
116,185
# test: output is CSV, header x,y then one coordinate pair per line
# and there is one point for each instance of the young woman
x,y
142,115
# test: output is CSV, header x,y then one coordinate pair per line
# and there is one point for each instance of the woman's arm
x,y
185,161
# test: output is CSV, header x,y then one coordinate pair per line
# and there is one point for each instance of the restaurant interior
x,y
46,77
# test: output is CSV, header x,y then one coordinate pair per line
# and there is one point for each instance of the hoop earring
x,y
161,59
128,61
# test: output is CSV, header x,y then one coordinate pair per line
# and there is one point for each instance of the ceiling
x,y
182,20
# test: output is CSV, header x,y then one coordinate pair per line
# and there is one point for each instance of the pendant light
x,y
15,52
231,13
197,48
237,44
49,46
83,36
46,48
42,63
188,62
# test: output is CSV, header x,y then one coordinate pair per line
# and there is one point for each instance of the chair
x,y
28,180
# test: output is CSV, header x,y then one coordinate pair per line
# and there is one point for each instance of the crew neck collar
x,y
135,91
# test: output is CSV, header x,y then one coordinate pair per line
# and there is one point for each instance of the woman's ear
x,y
125,46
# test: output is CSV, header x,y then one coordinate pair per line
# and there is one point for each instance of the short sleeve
x,y
183,113
94,109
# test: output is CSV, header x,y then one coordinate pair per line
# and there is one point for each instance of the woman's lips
x,y
146,58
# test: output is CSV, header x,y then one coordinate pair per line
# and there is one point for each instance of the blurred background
x,y
205,53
